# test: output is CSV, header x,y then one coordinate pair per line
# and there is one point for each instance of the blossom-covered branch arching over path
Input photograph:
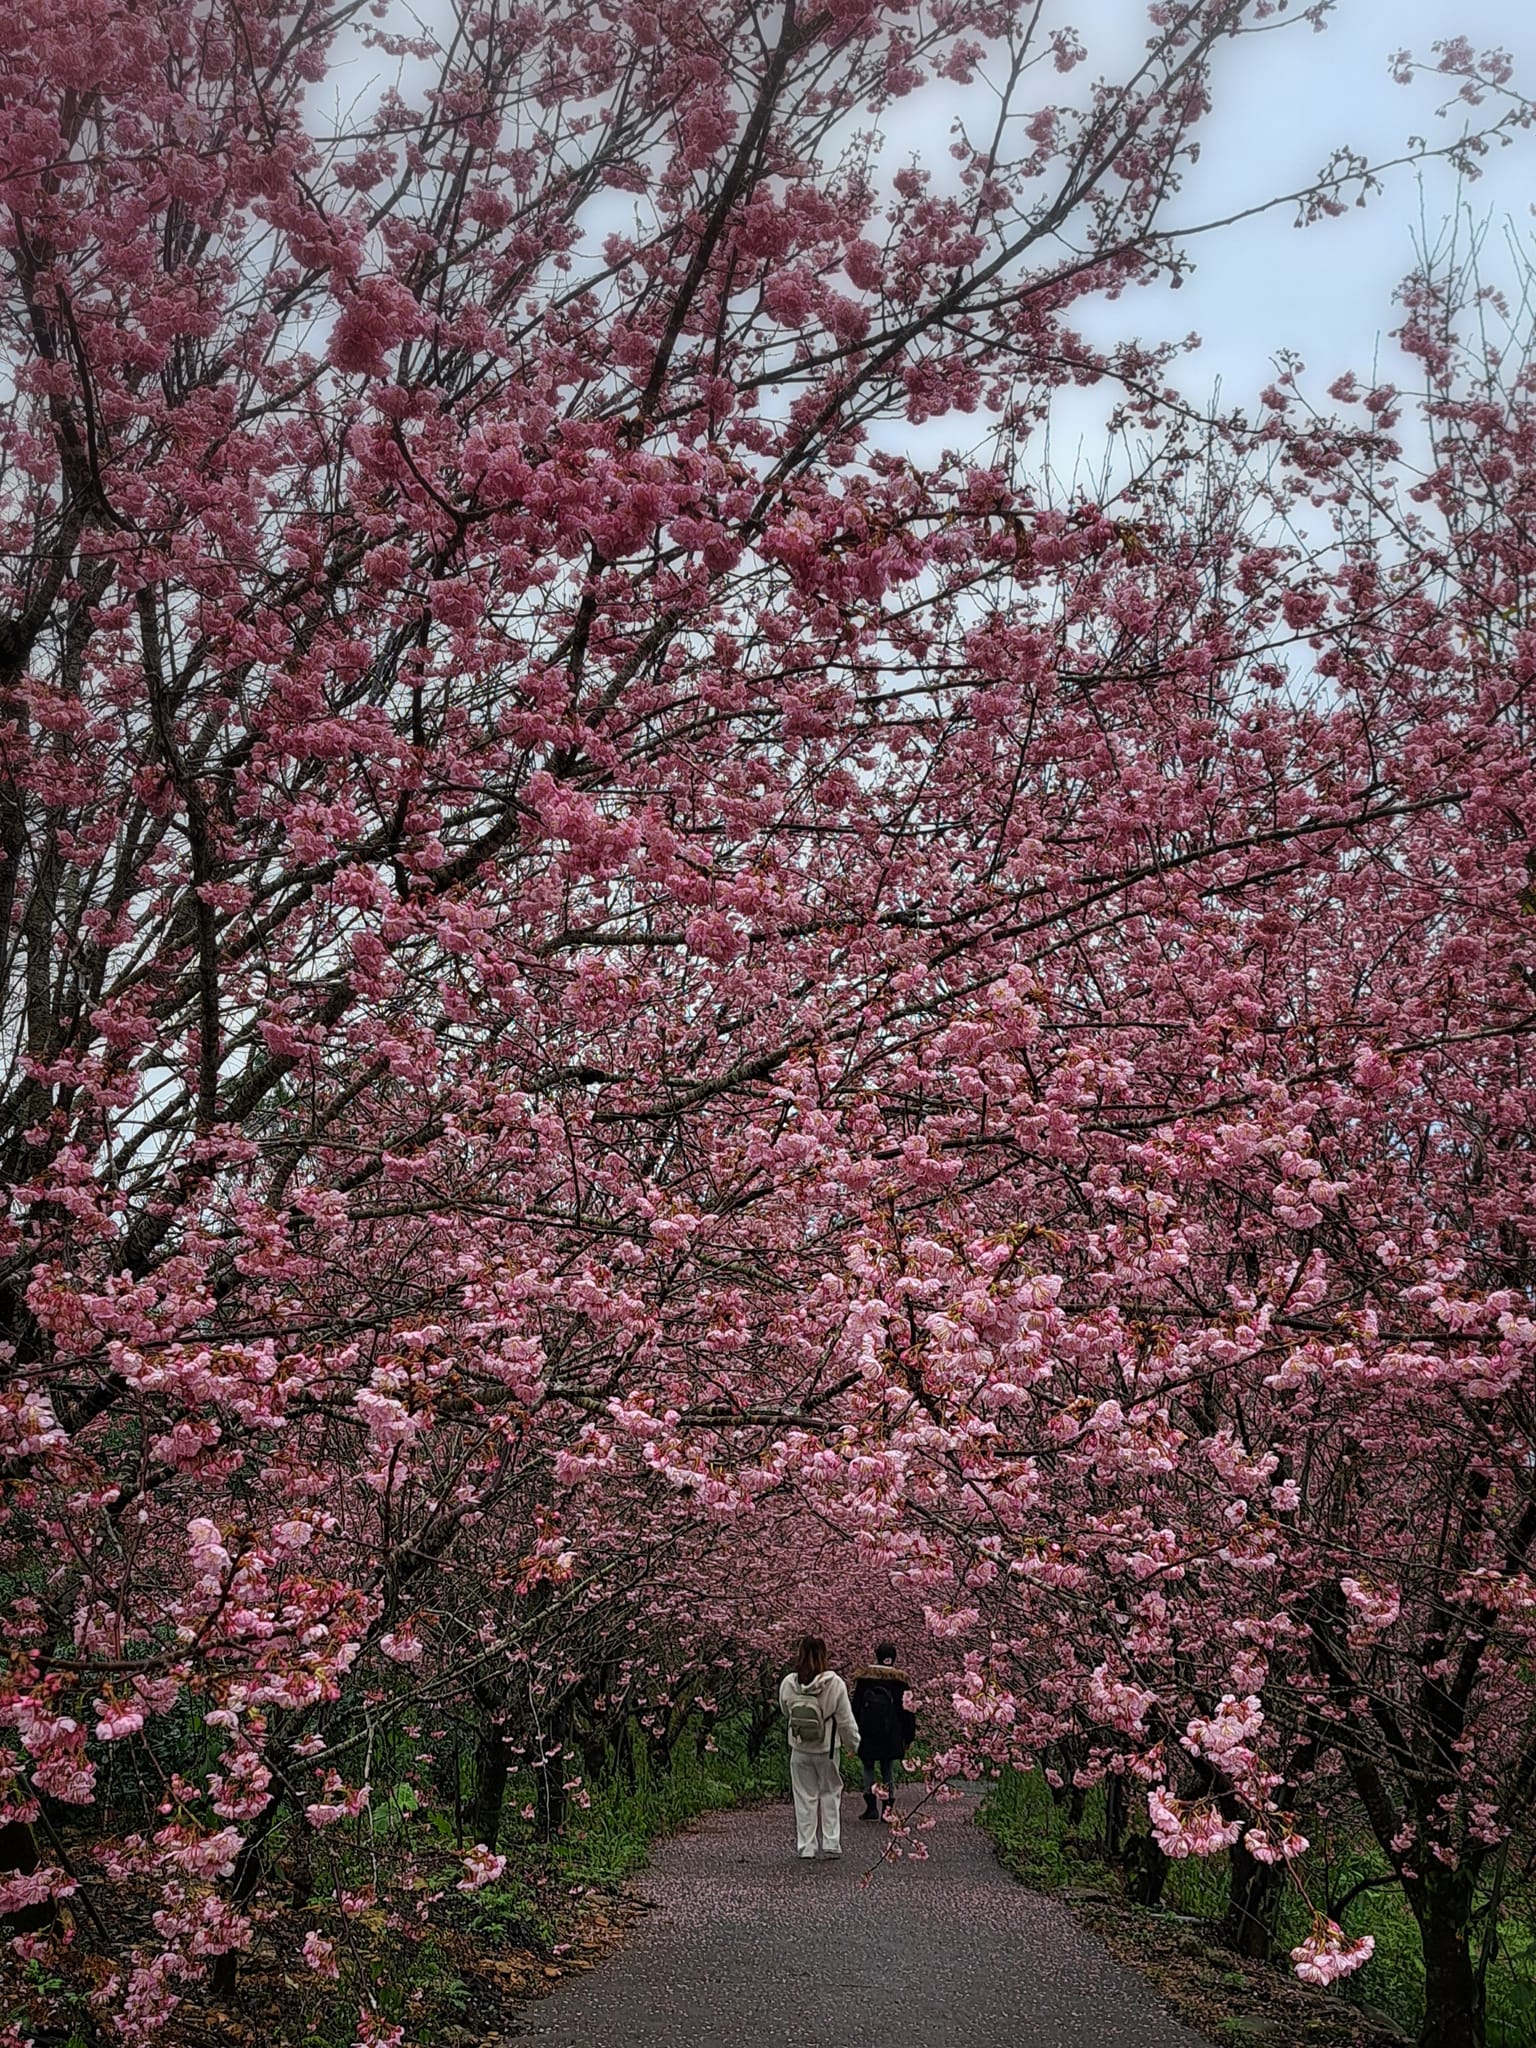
x,y
602,971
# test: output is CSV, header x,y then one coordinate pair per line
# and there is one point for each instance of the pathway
x,y
749,1948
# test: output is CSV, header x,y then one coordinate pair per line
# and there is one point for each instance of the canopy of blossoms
x,y
634,998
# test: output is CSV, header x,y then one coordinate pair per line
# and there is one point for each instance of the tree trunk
x,y
251,1870
1455,2008
18,1852
1146,1871
765,1719
301,1869
626,1755
458,1789
594,1754
549,1797
1066,1756
550,1772
490,1785
664,1740
1248,1925
1115,1803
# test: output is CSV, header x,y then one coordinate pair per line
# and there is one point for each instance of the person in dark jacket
x,y
886,1724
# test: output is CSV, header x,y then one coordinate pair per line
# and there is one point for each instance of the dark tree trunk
x,y
251,1871
490,1785
18,1852
594,1754
251,1863
625,1753
1146,1871
550,1772
664,1742
1455,2008
1068,1756
458,1790
1115,1803
1248,1925
765,1719
549,1798
301,1871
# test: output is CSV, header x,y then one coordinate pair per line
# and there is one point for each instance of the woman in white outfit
x,y
820,1715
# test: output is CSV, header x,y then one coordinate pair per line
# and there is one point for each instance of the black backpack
x,y
878,1728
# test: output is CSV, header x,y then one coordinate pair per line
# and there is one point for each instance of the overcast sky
x,y
1283,104
1284,101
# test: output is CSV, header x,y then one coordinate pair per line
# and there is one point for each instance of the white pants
x,y
817,1784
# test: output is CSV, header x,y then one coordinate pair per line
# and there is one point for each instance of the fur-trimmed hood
x,y
882,1674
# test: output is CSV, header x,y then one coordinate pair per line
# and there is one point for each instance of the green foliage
x,y
67,2000
396,1810
1034,1838
512,1913
608,1841
1029,1830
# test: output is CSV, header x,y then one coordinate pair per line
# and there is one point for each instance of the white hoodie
x,y
835,1706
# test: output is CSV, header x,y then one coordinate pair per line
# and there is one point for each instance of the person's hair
x,y
885,1653
810,1659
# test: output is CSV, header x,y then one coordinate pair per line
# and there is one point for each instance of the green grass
x,y
613,1837
1034,1840
1030,1832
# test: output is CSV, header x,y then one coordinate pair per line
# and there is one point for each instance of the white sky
x,y
1285,102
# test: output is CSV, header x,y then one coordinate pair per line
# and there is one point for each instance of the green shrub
x,y
1034,1839
612,1837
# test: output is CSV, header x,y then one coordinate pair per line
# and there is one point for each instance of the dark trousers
x,y
886,1766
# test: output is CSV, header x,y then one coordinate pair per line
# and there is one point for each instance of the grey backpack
x,y
807,1718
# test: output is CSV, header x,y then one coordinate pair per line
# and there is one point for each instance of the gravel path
x,y
749,1948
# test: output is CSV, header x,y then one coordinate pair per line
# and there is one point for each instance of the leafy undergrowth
x,y
450,1970
1226,1997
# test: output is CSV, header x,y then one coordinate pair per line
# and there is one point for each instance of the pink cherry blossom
x,y
480,1868
1328,1954
609,958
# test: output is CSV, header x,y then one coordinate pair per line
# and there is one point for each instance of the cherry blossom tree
x,y
1205,1290
600,965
